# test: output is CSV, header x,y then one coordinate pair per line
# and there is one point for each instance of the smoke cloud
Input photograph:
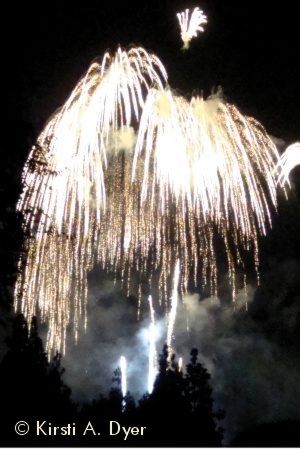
x,y
113,330
254,375
122,139
251,353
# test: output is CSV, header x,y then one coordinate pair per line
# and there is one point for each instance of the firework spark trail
x,y
190,26
288,161
64,197
180,361
76,140
152,356
123,368
96,193
174,304
220,159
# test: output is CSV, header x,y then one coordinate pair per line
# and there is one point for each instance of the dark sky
x,y
249,48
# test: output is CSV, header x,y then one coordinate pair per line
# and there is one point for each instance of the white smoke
x,y
113,330
122,139
254,378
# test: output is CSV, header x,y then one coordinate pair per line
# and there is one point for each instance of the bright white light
x,y
174,303
64,200
190,26
97,192
152,358
180,364
288,161
123,367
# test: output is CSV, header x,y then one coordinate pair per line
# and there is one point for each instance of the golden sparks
x,y
131,177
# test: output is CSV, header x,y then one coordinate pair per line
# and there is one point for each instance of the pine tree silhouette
x,y
198,394
179,411
31,387
180,408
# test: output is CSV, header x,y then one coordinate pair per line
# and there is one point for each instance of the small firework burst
x,y
288,161
190,25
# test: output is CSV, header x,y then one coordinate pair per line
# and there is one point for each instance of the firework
x,y
71,152
288,161
174,303
133,178
180,362
123,368
209,156
64,196
190,25
152,357
207,169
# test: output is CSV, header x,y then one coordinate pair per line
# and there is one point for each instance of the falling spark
x,y
64,200
152,359
174,303
221,181
152,356
123,367
180,364
288,161
131,177
152,312
190,26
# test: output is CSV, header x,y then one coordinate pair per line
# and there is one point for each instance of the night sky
x,y
250,49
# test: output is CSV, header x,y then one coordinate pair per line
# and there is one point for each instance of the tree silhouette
x,y
31,387
179,411
198,394
180,408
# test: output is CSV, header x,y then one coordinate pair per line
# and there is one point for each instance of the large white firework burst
x,y
134,178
